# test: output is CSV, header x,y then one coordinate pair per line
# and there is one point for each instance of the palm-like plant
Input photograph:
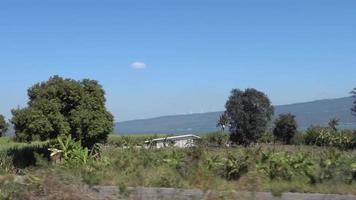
x,y
235,166
333,123
223,122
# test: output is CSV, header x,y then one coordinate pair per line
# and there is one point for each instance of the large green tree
x,y
64,106
285,128
249,112
3,125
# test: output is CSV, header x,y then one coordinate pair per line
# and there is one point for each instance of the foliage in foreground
x,y
222,169
256,168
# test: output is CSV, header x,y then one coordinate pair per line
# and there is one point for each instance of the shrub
x,y
235,166
312,134
175,159
325,138
353,141
72,151
353,169
214,163
328,164
342,139
6,163
284,166
335,166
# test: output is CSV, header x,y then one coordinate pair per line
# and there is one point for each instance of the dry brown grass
x,y
52,188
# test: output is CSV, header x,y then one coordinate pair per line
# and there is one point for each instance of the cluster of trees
x,y
249,113
62,107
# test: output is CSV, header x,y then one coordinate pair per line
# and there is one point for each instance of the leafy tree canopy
x,y
285,128
64,107
249,112
3,125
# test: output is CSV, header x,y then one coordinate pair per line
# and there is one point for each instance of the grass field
x,y
275,168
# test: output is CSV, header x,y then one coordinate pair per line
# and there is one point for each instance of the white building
x,y
181,141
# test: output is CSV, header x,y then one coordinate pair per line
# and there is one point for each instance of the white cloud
x,y
138,65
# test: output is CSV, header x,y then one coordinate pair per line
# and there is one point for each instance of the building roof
x,y
173,138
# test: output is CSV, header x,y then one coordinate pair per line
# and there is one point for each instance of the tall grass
x,y
14,155
276,168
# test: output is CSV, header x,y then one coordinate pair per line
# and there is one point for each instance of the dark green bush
x,y
285,127
312,134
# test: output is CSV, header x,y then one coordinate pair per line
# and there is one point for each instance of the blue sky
x,y
187,54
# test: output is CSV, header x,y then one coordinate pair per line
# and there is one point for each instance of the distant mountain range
x,y
309,113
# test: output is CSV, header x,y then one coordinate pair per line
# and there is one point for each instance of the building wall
x,y
178,143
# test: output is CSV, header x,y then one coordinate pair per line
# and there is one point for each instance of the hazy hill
x,y
309,113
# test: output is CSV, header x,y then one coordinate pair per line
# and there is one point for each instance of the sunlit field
x,y
266,167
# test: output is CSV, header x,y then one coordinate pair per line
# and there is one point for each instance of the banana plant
x,y
71,150
235,166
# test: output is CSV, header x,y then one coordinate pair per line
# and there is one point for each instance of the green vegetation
x,y
223,122
326,137
14,155
60,107
132,140
71,120
254,168
333,123
249,112
285,128
3,125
